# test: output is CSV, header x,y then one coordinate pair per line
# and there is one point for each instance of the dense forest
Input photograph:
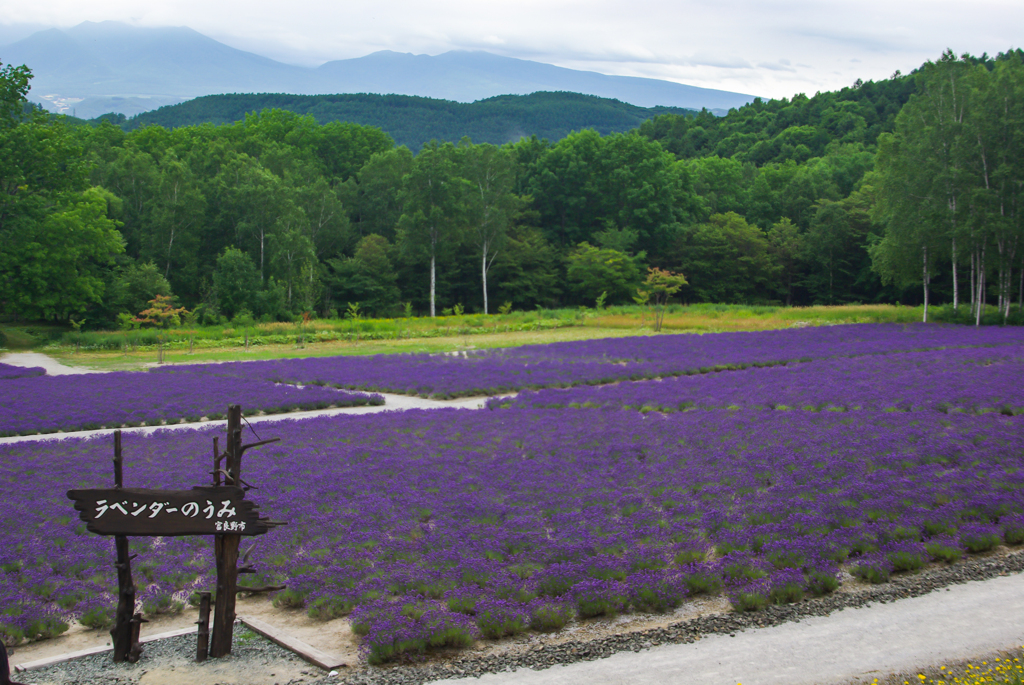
x,y
903,190
414,121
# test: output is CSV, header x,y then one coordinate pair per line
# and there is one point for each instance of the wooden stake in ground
x,y
5,668
226,547
203,641
125,632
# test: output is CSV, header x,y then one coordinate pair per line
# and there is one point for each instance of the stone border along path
x,y
914,621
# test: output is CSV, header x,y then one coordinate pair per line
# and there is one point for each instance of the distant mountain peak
x,y
93,63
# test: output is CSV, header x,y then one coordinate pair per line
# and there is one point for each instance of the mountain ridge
x,y
412,120
98,67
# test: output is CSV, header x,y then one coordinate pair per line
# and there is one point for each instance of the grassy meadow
x,y
329,337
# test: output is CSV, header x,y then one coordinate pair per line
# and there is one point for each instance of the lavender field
x,y
434,528
46,404
7,371
534,515
187,392
976,380
594,362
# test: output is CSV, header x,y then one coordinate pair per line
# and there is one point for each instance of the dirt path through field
x,y
52,366
850,646
391,403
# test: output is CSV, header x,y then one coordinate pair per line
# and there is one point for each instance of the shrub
x,y
1013,529
787,586
557,580
904,556
463,600
785,554
741,568
689,556
751,597
97,617
329,607
391,634
944,548
547,616
45,627
654,592
501,618
874,568
979,537
599,598
699,579
289,599
162,603
822,580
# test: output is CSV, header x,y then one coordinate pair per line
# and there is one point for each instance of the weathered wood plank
x,y
309,653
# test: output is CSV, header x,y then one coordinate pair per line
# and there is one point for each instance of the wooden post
x,y
216,463
122,632
203,643
5,668
226,548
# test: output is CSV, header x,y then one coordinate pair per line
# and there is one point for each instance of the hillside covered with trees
x,y
891,191
414,121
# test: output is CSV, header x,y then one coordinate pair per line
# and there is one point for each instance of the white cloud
x,y
742,45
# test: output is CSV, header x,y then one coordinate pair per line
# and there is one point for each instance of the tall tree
x,y
995,129
491,205
432,198
922,177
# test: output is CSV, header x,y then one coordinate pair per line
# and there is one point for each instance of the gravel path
x,y
52,366
253,661
391,403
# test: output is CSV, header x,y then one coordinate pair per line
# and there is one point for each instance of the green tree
x,y
922,179
587,183
55,267
786,247
725,259
433,217
526,272
592,271
375,203
140,284
491,205
368,277
236,282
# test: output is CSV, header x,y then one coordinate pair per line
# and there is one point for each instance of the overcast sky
x,y
773,48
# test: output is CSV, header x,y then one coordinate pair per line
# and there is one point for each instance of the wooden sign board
x,y
200,511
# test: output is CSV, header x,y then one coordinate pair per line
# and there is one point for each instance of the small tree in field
x,y
659,286
161,313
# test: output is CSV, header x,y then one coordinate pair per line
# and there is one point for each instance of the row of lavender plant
x,y
962,379
433,527
497,371
7,371
47,404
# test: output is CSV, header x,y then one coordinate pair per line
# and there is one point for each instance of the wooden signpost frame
x,y
153,516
